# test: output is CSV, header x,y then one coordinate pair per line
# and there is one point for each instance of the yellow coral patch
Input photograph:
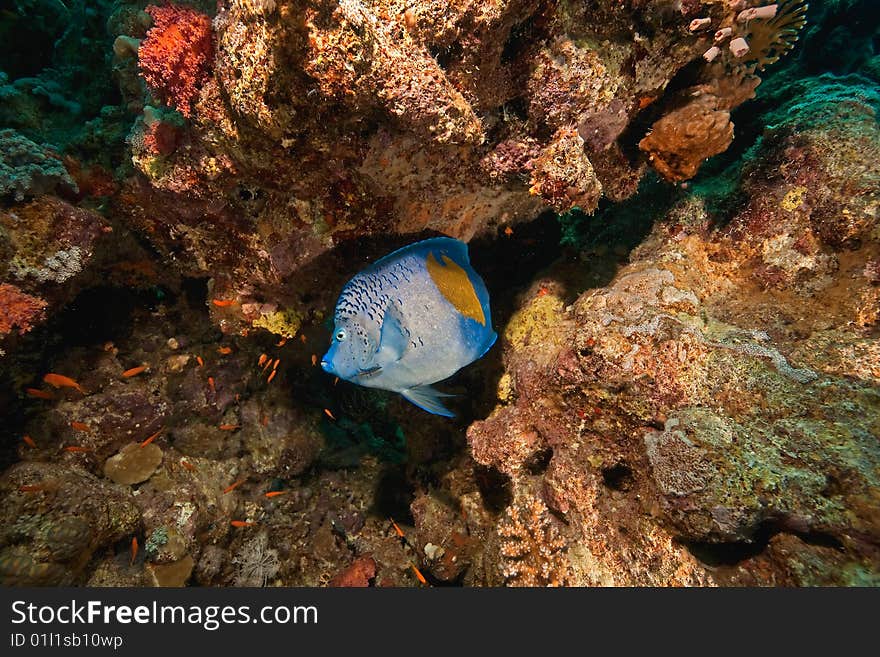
x,y
793,199
535,323
282,322
456,287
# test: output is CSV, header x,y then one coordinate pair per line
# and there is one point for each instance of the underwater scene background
x,y
674,207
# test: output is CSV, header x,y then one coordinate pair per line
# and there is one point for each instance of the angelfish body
x,y
413,318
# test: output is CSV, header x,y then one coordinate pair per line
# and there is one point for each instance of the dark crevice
x,y
393,495
618,477
735,552
495,488
538,462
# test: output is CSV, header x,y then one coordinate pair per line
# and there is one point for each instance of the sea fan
x,y
771,39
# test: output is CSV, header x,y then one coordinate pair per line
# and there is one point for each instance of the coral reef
x,y
685,390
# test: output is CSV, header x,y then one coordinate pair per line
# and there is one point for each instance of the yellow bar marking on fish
x,y
456,287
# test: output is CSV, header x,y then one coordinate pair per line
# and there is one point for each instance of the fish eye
x,y
340,335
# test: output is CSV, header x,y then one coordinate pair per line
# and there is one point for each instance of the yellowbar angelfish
x,y
413,318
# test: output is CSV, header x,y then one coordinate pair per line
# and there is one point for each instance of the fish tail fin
x,y
428,399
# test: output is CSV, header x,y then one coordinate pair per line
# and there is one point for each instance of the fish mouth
x,y
326,366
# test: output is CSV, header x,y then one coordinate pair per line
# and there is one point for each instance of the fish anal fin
x,y
428,399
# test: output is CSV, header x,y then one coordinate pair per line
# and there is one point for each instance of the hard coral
x,y
533,550
175,59
28,169
18,310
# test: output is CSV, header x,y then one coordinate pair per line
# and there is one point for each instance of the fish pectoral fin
x,y
392,341
428,399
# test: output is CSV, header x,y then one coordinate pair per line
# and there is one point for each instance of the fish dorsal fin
x,y
392,340
455,285
428,399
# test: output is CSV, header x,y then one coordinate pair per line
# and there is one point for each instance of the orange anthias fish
x,y
419,574
274,493
241,523
39,394
29,441
80,426
61,381
134,371
224,351
222,303
134,549
232,487
151,438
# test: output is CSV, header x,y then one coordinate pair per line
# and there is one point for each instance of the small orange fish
x,y
335,380
508,231
264,420
211,384
271,376
224,351
275,366
134,371
542,291
274,493
329,414
134,549
151,438
80,426
281,342
232,487
222,303
29,441
200,361
31,488
397,528
263,359
77,448
61,381
419,574
228,427
241,523
266,366
314,359
39,394
303,338
189,466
